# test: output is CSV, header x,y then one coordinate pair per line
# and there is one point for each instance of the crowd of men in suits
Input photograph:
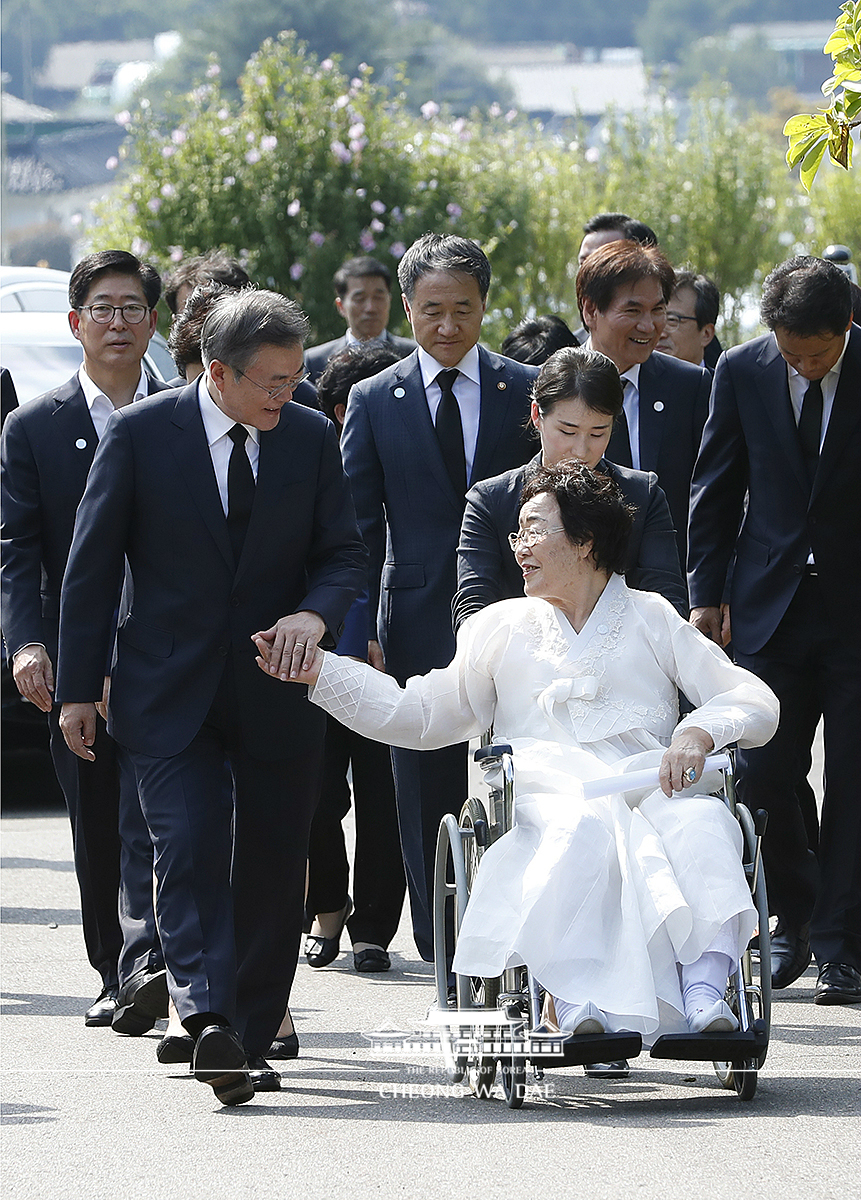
x,y
151,530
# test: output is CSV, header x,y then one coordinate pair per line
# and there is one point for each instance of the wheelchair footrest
x,y
713,1047
576,1049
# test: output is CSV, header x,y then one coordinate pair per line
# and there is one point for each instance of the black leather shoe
x,y
102,1010
608,1070
141,1002
175,1048
790,954
838,983
372,959
320,951
263,1077
285,1047
219,1060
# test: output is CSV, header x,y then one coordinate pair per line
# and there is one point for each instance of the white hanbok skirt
x,y
602,899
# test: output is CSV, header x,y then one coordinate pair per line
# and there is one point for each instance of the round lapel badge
x,y
399,393
81,444
501,385
658,406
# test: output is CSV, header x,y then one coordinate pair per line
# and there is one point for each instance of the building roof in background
x,y
60,162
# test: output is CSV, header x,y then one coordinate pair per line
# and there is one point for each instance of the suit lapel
x,y
498,393
652,419
189,448
75,425
845,413
773,387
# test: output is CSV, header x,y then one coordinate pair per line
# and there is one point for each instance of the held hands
x,y
713,622
289,650
34,676
687,752
78,725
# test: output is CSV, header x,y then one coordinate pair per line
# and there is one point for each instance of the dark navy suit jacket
x,y
316,357
152,495
408,509
487,570
48,448
751,447
673,406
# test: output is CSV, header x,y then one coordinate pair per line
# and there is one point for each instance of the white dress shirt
x,y
467,392
100,406
216,426
798,385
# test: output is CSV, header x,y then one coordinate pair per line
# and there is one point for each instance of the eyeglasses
x,y
272,393
528,537
103,314
675,319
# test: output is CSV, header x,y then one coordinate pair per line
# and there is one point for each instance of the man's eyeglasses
x,y
290,386
103,314
675,319
528,537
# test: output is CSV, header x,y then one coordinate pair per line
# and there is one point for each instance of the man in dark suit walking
x,y
414,437
785,430
234,512
623,289
48,447
363,297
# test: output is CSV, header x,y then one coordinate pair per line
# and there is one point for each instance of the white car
x,y
37,346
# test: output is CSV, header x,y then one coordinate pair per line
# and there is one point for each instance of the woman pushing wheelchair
x,y
630,910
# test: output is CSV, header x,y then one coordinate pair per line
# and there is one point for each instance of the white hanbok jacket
x,y
601,899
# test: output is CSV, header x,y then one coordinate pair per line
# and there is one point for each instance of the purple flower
x,y
168,151
140,248
179,137
76,219
316,238
454,211
228,181
112,163
296,271
253,156
356,130
341,152
366,240
124,118
176,254
429,109
327,64
397,215
168,191
377,225
378,207
510,115
397,249
357,145
361,193
293,208
495,110
269,142
213,70
154,204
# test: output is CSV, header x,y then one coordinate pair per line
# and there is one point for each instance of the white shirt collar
x,y
632,373
469,365
92,391
216,423
835,370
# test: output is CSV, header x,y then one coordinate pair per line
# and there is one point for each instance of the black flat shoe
x,y
790,954
263,1077
101,1011
174,1048
286,1046
372,959
320,951
838,983
608,1070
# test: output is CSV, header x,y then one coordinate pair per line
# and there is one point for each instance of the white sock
x,y
704,982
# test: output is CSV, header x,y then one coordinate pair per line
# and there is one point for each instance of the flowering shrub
x,y
311,167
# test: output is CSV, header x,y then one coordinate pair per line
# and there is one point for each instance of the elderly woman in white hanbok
x,y
630,910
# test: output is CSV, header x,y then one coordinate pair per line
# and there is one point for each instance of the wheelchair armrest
x,y
485,754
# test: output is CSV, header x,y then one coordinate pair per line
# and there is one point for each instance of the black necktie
x,y
240,489
621,436
449,431
810,426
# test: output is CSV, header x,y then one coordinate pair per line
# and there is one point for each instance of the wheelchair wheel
x,y
449,903
513,1072
484,993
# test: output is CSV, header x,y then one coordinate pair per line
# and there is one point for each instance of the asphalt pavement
x,y
87,1113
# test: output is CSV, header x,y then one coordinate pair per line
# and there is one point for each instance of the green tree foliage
x,y
311,166
811,134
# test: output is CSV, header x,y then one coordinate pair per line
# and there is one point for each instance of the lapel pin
x,y
501,385
659,406
81,444
399,393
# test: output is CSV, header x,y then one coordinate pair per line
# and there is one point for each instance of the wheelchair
x,y
497,1026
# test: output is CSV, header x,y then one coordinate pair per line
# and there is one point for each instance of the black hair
x,y
591,507
807,297
536,338
112,262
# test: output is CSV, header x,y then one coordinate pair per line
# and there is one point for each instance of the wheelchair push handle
x,y
634,781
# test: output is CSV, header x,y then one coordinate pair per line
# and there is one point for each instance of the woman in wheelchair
x,y
630,911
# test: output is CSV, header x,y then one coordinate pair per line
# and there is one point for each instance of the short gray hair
x,y
443,252
242,323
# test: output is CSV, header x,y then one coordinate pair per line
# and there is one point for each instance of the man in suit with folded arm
x,y
48,447
785,431
415,436
235,515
